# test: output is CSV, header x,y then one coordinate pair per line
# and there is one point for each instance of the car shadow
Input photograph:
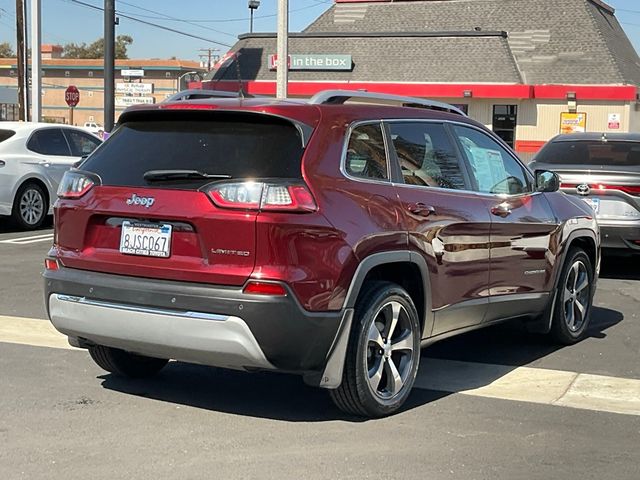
x,y
7,226
620,267
286,398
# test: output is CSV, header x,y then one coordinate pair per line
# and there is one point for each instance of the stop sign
x,y
72,96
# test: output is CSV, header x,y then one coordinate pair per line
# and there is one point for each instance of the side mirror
x,y
547,181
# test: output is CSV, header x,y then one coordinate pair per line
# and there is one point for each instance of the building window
x,y
12,73
167,74
90,73
67,73
504,122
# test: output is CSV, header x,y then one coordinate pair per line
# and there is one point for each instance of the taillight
x,y
51,264
264,288
262,196
75,184
630,189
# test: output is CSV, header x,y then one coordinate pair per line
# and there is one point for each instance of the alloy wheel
x,y
390,350
576,296
31,206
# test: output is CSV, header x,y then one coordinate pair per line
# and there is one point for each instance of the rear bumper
x,y
620,237
211,325
190,336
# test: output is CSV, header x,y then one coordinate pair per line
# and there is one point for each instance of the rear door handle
x,y
421,209
501,210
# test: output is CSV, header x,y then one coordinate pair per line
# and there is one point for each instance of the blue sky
x,y
214,20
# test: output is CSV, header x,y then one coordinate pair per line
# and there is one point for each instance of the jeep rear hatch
x,y
175,195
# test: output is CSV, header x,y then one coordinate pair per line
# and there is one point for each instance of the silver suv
x,y
603,169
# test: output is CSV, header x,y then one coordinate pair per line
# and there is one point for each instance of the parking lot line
x,y
47,237
522,384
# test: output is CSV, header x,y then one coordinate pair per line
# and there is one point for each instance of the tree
x,y
6,51
96,49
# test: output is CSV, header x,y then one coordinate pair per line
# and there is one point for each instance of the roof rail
x,y
338,97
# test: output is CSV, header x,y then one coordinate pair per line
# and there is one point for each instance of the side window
x,y
426,155
366,157
81,143
492,167
49,141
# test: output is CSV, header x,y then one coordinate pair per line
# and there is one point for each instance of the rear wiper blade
x,y
160,175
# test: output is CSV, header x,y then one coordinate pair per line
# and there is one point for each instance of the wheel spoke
x,y
395,315
570,315
404,343
584,283
374,336
394,380
375,374
576,274
580,308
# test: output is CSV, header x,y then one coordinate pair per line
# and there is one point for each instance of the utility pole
x,y
109,63
282,72
209,55
22,108
36,61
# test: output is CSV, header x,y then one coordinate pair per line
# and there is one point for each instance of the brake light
x,y
262,196
263,288
75,184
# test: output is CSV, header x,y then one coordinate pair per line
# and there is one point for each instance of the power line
x,y
227,20
169,17
151,24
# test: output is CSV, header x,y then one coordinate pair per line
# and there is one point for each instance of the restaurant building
x,y
528,69
136,81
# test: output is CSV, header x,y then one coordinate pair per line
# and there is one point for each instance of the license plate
x,y
594,202
149,240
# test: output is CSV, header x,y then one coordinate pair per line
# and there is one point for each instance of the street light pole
x,y
109,64
182,76
253,5
36,61
282,72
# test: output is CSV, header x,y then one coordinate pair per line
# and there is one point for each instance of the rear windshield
x,y
239,146
591,153
4,134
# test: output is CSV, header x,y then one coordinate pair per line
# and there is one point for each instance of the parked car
x,y
330,238
33,159
93,128
198,94
603,169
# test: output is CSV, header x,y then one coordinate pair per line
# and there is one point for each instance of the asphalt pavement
x,y
484,406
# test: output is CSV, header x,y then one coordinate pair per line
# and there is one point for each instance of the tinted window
x,y
366,155
492,167
49,141
240,146
591,153
426,155
5,134
81,143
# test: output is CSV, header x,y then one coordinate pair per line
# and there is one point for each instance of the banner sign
x,y
573,122
132,73
137,88
314,62
128,101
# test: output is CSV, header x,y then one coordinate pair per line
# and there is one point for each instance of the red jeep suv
x,y
330,238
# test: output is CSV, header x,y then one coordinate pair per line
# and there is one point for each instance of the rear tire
x,y
30,207
124,363
382,355
574,297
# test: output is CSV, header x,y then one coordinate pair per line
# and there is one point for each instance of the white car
x,y
33,158
93,127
